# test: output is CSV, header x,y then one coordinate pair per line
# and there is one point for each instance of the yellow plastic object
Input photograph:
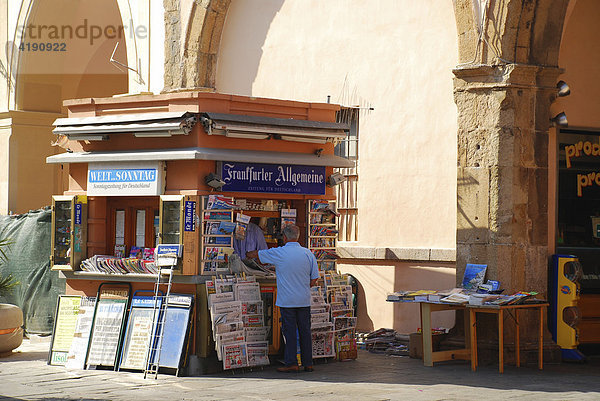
x,y
567,298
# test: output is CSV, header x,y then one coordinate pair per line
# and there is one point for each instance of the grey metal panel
x,y
286,122
233,155
173,126
121,118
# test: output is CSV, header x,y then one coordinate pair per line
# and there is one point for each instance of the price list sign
x,y
106,328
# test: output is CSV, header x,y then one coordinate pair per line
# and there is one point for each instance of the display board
x,y
176,330
107,325
139,330
81,336
67,309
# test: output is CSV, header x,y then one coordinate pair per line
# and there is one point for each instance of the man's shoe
x,y
288,369
308,369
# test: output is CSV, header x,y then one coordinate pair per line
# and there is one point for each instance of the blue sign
x,y
279,178
145,302
122,175
166,249
78,209
189,213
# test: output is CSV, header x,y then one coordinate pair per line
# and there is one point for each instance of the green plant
x,y
7,283
4,244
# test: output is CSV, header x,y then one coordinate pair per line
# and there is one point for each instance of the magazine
x,y
136,252
473,276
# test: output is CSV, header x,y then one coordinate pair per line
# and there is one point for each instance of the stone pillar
x,y
502,188
173,39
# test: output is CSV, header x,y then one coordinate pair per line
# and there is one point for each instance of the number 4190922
x,y
43,47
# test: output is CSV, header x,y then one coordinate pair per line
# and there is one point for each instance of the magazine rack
x,y
216,243
322,233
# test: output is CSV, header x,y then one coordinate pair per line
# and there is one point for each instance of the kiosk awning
x,y
256,127
233,155
98,128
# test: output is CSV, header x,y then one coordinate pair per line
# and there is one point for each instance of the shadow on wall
x,y
250,21
376,279
363,323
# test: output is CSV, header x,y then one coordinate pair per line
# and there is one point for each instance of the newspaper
x,y
219,298
247,292
319,308
322,344
253,320
343,323
258,353
319,318
228,338
254,334
235,356
252,307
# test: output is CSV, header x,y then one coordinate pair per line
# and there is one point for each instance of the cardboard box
x,y
415,344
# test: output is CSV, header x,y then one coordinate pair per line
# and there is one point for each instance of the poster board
x,y
139,332
67,309
107,325
176,331
81,336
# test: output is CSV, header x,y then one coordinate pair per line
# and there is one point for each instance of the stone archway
x,y
503,92
192,43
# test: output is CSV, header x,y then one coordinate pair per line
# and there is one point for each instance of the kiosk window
x,y
578,188
120,227
132,223
140,228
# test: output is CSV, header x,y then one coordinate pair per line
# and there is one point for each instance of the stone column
x,y
173,40
502,188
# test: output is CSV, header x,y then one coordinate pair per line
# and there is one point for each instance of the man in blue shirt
x,y
297,271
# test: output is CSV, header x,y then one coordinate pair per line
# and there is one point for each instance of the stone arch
x,y
519,31
200,34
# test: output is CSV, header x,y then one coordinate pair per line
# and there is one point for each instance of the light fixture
x,y
560,120
214,181
563,89
336,179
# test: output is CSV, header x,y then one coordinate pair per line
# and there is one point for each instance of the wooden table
x,y
469,352
429,356
499,311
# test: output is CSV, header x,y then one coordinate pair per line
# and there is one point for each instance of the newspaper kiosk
x,y
140,170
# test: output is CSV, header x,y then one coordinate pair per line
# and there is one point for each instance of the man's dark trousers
x,y
292,319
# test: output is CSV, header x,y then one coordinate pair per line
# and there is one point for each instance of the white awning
x,y
256,127
233,155
141,125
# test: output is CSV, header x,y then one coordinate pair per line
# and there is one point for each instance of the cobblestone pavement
x,y
24,375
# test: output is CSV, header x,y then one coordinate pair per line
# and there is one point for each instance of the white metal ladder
x,y
159,314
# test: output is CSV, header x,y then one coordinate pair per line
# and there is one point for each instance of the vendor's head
x,y
291,233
